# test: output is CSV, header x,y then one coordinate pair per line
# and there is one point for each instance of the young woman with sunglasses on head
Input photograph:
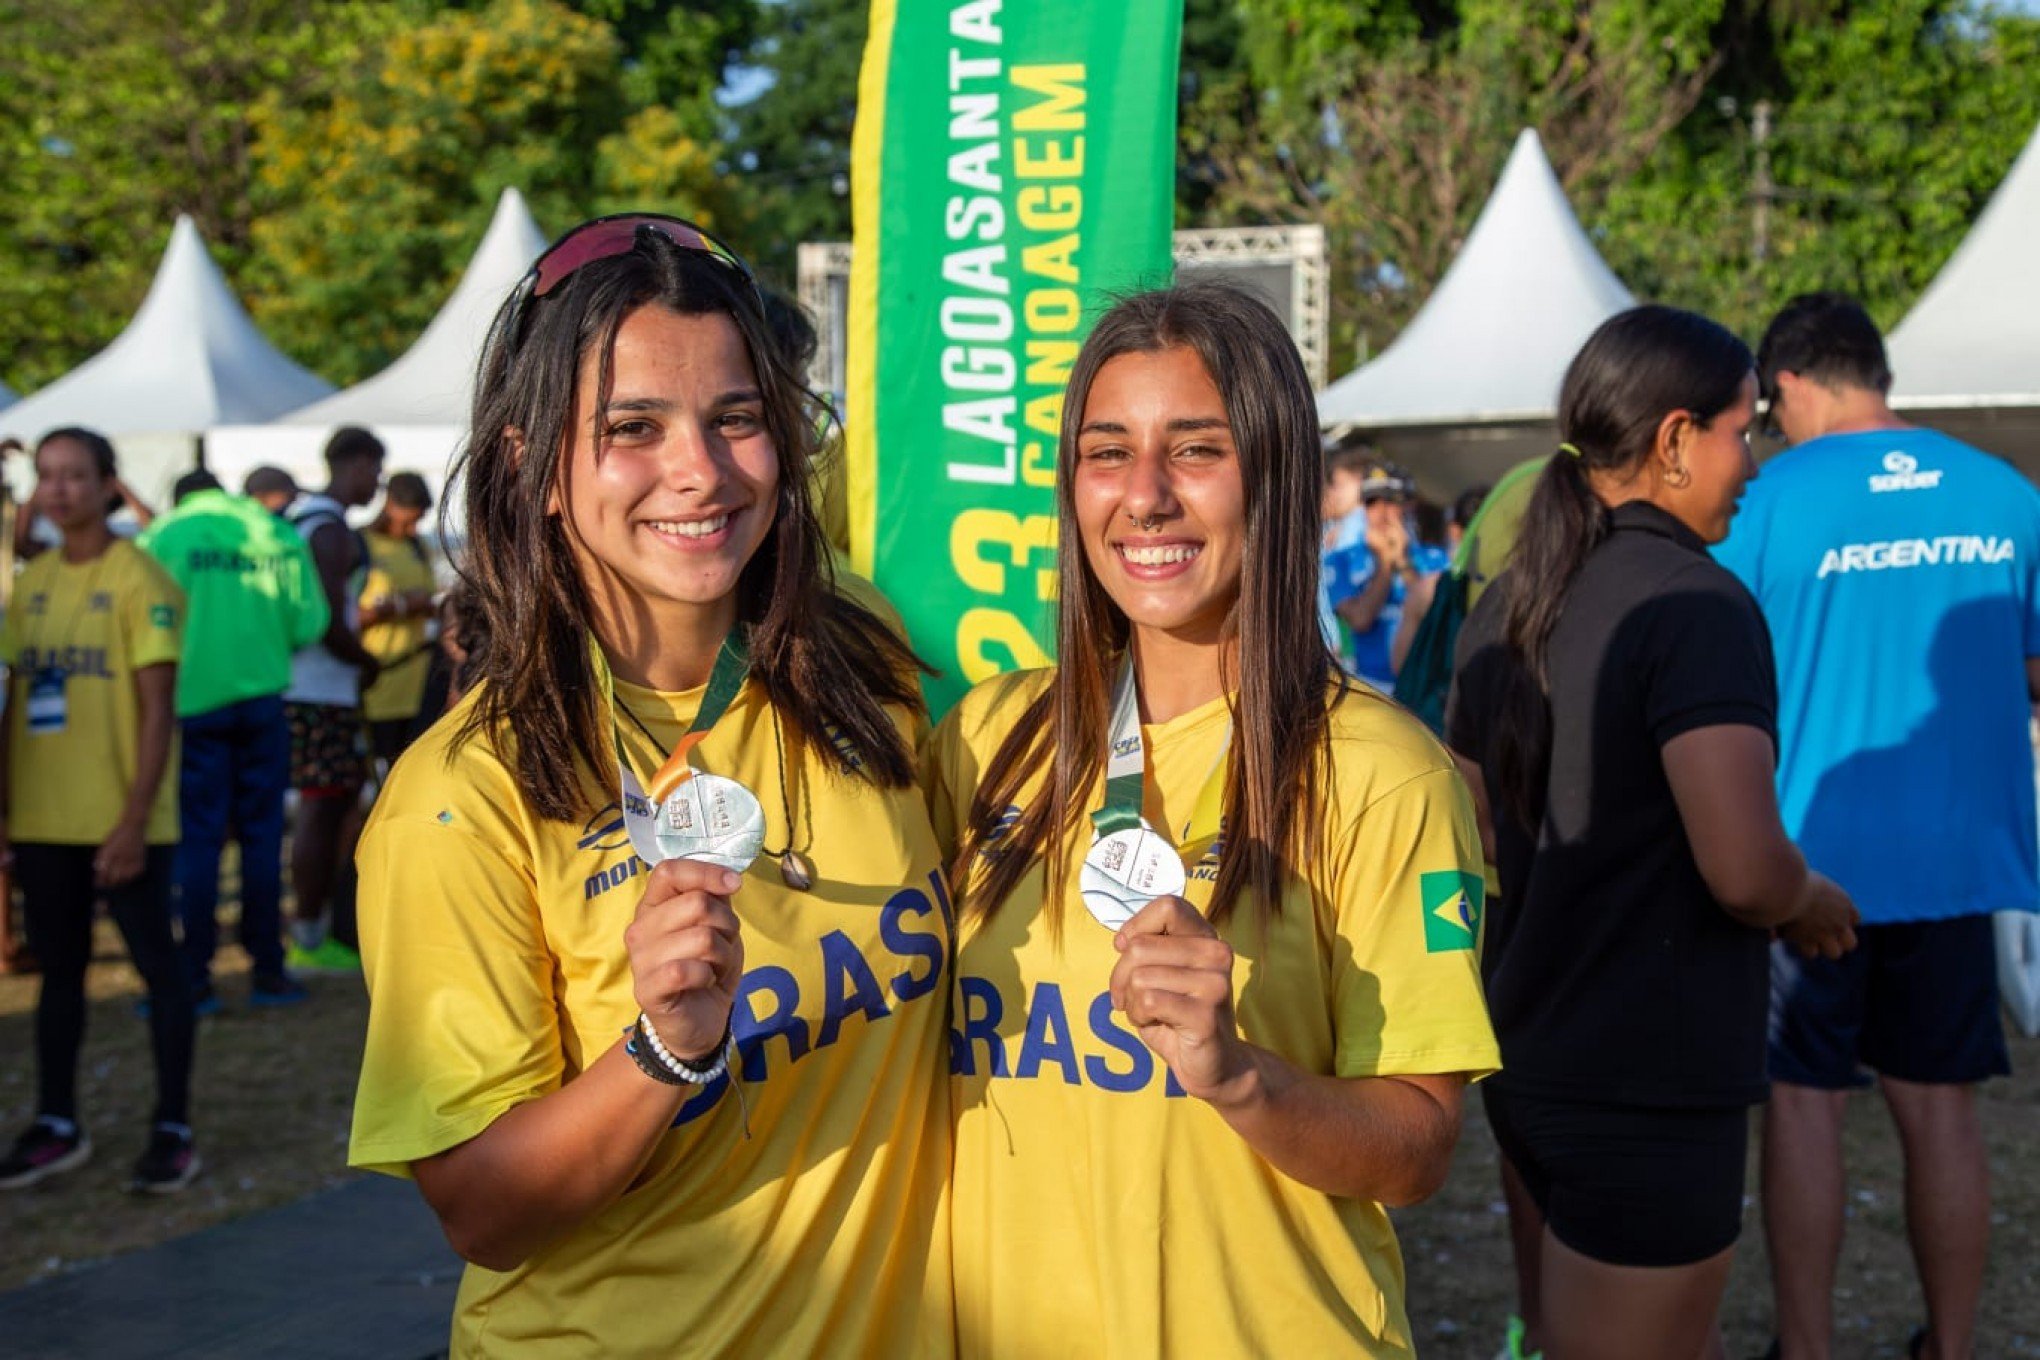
x,y
662,1102
1183,1096
1615,698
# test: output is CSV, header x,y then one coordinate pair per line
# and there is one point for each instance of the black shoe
x,y
44,1151
168,1165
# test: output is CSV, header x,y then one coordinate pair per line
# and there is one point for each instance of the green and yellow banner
x,y
1013,168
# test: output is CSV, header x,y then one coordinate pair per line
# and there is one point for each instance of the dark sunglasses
x,y
604,237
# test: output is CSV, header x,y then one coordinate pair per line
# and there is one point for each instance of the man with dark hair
x,y
271,486
329,740
252,599
1895,567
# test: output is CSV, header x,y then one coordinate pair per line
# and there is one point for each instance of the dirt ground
x,y
274,1088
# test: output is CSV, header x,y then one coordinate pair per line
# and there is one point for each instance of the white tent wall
x,y
1492,341
190,359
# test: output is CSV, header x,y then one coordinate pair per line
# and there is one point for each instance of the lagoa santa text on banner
x,y
1126,870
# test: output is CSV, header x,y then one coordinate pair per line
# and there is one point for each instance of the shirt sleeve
x,y
941,758
462,1022
1703,655
152,615
1409,902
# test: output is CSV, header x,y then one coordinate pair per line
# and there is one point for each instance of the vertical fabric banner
x,y
1013,166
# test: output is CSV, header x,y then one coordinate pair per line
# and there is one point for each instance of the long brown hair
x,y
824,661
1275,654
1637,368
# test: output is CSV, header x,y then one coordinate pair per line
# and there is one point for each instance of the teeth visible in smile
x,y
689,528
1158,557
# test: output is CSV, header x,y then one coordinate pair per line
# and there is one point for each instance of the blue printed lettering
x,y
841,963
911,944
1048,1037
753,1030
1099,1069
980,1007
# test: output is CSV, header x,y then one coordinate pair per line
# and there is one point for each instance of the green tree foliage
x,y
1890,123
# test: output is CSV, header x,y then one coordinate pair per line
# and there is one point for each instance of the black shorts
x,y
328,750
1627,1185
1915,1000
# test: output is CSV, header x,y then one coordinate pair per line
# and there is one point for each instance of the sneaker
x,y
168,1164
1512,1347
276,989
204,1002
330,959
44,1151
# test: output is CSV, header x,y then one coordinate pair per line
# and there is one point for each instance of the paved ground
x,y
357,1271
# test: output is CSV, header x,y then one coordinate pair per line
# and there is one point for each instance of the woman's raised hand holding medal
x,y
1174,982
687,955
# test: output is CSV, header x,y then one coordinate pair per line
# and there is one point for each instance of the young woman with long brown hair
x,y
662,1102
1178,1122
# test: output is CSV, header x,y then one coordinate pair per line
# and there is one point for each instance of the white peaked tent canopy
x,y
433,383
191,358
1973,339
1495,336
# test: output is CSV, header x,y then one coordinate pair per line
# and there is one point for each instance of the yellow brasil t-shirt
x,y
493,945
98,623
395,565
1096,1205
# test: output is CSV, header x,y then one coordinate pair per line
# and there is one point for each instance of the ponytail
x,y
1638,367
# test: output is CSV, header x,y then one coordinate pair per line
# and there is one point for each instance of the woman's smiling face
x,y
1158,496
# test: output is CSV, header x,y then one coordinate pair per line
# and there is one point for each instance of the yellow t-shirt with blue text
x,y
98,623
493,947
1094,1203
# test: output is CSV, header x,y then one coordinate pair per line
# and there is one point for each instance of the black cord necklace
x,y
794,864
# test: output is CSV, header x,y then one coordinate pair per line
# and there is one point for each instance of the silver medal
x,y
709,818
1125,871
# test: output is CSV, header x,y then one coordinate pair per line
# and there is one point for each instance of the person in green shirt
x,y
253,598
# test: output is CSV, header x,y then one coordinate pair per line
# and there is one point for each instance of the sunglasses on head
x,y
617,234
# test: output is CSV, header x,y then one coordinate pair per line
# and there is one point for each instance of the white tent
x,y
1495,336
191,358
418,406
1973,338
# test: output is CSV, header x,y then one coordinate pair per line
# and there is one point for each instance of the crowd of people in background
x,y
1725,775
175,676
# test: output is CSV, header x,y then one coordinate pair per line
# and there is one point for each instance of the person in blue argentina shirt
x,y
1895,566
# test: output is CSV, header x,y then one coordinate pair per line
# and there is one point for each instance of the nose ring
x,y
1146,525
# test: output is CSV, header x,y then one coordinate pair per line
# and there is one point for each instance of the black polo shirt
x,y
1612,974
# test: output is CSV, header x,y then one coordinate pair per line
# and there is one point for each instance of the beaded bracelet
x,y
657,1061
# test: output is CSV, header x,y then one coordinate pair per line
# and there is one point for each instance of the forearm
x,y
1770,889
152,753
344,643
548,1165
1387,1139
1360,611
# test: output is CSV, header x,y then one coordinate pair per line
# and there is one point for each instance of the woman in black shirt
x,y
1615,705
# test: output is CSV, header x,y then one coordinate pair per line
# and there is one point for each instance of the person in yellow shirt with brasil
x,y
396,603
665,1099
1216,988
86,809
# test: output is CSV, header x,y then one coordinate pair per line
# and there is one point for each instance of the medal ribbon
x,y
1126,770
725,679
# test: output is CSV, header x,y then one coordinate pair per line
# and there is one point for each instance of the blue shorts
x,y
1915,1000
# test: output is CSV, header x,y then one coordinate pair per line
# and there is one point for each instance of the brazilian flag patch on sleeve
x,y
1452,907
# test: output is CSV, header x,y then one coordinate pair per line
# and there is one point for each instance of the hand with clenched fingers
x,y
1174,983
687,955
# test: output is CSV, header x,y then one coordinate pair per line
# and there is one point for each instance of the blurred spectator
x,y
272,487
1344,527
1895,567
329,742
1460,514
253,598
93,639
1371,581
396,606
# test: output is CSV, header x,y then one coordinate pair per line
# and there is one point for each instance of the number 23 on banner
x,y
982,544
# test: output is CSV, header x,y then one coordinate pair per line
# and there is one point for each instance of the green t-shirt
x,y
252,597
